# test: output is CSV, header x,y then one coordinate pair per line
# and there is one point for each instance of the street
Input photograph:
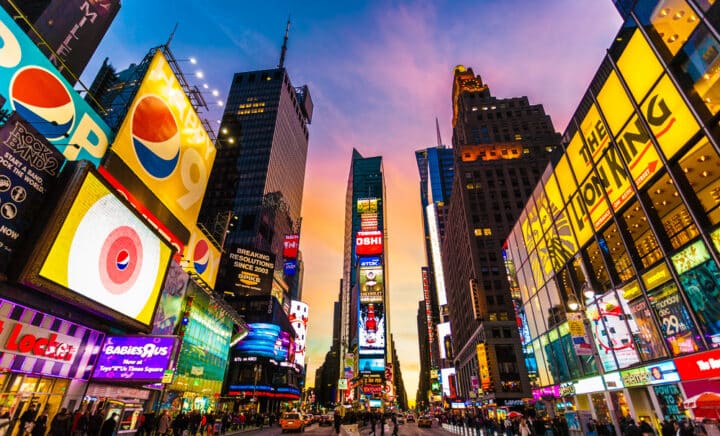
x,y
404,430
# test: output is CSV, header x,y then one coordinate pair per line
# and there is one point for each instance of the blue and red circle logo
x,y
201,256
43,100
120,260
155,136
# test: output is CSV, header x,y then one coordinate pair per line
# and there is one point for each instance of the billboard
x,y
371,327
267,340
74,28
447,376
29,167
369,243
371,365
443,330
167,315
299,318
369,221
98,254
163,142
252,270
372,286
134,358
290,267
40,95
367,205
291,243
202,257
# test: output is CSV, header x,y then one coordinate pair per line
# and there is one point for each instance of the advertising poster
x,y
370,365
290,267
41,96
581,342
134,358
74,28
164,143
613,327
371,327
168,311
266,340
291,244
648,340
372,288
299,319
202,257
252,270
107,256
348,364
702,287
369,243
676,325
29,168
367,205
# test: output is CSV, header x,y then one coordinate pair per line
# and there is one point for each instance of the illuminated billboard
x,y
371,328
39,94
371,366
369,243
134,358
613,329
164,143
443,330
431,213
167,315
367,205
267,340
447,376
100,255
372,286
291,243
299,318
29,167
252,270
202,257
369,221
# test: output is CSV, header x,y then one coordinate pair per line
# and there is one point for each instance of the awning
x,y
705,405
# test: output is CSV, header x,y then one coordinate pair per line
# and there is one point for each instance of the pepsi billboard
x,y
202,257
36,90
29,167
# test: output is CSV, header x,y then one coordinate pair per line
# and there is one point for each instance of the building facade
x,y
500,148
616,254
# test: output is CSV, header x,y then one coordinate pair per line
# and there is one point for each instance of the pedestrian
x,y
163,423
592,427
646,428
667,428
61,423
41,424
631,429
336,421
524,428
108,427
395,424
372,423
96,421
26,419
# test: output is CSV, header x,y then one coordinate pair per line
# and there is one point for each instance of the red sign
x,y
290,246
26,339
369,243
372,389
699,366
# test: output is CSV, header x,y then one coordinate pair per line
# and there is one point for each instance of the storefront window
x,y
698,62
569,351
618,254
675,217
672,20
597,265
676,325
647,339
601,407
645,242
558,364
702,287
671,401
543,373
29,384
700,167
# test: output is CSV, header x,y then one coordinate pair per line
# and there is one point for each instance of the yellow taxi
x,y
292,421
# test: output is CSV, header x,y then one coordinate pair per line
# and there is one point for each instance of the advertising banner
x,y
702,287
39,94
663,372
134,358
290,246
74,28
581,342
290,267
484,367
202,257
267,340
103,257
676,325
167,315
372,288
613,329
29,168
252,270
164,143
299,319
369,243
370,365
348,364
371,327
367,205
701,366
369,221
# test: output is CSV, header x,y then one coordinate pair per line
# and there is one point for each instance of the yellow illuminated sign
x,y
631,291
612,95
201,257
576,154
656,276
163,141
639,66
596,136
483,367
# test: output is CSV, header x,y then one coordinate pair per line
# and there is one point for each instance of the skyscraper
x,y
501,147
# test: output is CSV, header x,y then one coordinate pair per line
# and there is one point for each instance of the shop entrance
x,y
20,392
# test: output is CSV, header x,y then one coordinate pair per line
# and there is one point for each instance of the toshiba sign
x,y
369,243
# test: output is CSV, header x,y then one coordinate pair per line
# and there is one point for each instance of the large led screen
x,y
299,319
202,257
372,287
369,243
134,358
107,256
164,143
37,92
251,270
370,366
267,340
371,327
291,243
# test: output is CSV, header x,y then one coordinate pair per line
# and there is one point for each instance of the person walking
x,y
372,423
41,424
337,421
524,428
163,424
108,427
395,424
61,423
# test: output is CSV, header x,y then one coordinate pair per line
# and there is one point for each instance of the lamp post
x,y
257,369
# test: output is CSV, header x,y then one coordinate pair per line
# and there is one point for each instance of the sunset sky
x,y
379,73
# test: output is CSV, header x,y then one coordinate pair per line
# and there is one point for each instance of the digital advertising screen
x,y
371,365
299,319
290,267
164,143
103,256
369,243
167,314
291,243
367,205
252,270
202,257
371,328
29,167
134,358
40,95
371,283
267,340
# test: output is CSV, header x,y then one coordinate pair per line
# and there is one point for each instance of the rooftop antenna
x,y
172,35
284,46
437,127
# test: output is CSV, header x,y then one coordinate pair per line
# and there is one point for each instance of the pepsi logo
x,y
201,256
41,98
120,260
123,260
155,136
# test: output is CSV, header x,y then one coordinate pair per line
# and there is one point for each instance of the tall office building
x,y
501,147
622,238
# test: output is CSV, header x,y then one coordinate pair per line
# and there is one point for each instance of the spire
x,y
437,127
284,46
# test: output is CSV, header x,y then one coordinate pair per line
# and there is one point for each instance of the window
x,y
675,217
701,168
643,238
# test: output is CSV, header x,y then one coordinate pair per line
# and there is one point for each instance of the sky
x,y
379,73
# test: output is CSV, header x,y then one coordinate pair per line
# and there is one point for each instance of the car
x,y
410,417
292,421
425,421
326,420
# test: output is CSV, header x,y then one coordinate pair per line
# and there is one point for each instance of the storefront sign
x,y
547,392
613,381
342,384
135,358
664,372
699,366
588,385
24,339
567,389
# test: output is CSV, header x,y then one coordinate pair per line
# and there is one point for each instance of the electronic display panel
x,y
202,257
371,327
134,358
372,285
